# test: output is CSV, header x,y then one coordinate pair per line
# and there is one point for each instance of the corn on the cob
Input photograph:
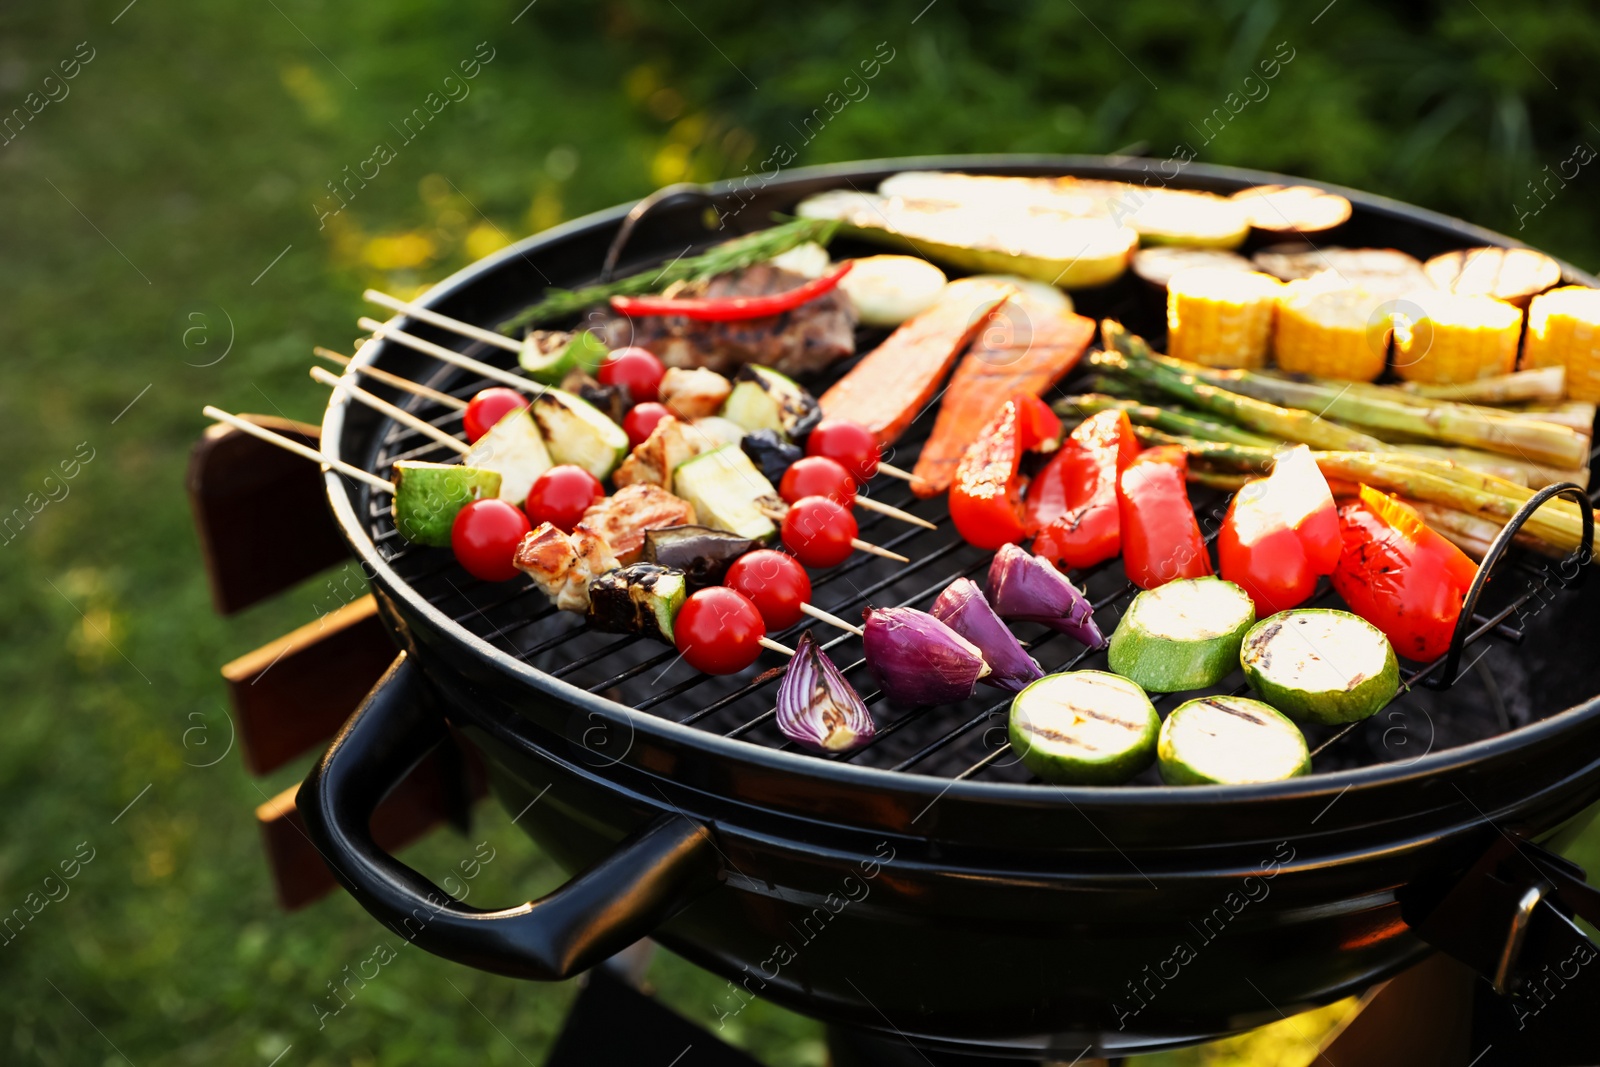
x,y
1331,331
1564,331
1446,337
1221,318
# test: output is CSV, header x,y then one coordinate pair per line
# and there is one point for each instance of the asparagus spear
x,y
1577,414
1472,534
740,252
1542,384
1162,418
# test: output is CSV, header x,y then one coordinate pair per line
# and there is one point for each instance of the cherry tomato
x,y
488,408
819,531
718,631
850,443
642,419
561,495
818,476
638,369
485,537
775,583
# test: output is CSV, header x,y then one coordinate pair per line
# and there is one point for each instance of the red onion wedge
x,y
963,607
916,659
1027,588
816,706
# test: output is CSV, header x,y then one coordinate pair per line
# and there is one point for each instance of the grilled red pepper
x,y
731,308
1073,501
1161,540
1401,576
986,495
1281,532
1041,429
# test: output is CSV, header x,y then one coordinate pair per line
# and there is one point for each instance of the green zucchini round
x,y
1182,635
1228,740
1084,727
1320,665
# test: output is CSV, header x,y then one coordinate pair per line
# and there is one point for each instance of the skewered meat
x,y
623,518
694,393
562,565
655,458
806,339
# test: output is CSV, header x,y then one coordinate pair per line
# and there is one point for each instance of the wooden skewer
x,y
405,418
831,620
405,384
767,642
450,356
297,448
893,512
422,314
896,472
873,550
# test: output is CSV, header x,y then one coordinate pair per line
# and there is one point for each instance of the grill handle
x,y
649,878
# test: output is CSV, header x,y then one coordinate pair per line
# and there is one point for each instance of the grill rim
x,y
846,775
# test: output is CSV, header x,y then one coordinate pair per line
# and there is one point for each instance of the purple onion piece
x,y
962,607
1027,588
916,659
817,707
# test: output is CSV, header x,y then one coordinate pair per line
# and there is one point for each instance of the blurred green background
x,y
161,248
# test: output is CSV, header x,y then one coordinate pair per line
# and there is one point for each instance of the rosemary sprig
x,y
738,253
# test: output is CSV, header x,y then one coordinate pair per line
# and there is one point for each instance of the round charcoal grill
x,y
925,885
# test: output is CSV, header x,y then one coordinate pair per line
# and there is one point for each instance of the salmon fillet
x,y
887,389
1037,350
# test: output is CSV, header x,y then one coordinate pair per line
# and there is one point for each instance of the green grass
x,y
160,249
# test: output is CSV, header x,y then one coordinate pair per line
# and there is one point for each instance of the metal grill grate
x,y
959,741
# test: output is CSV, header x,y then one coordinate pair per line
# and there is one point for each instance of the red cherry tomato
x,y
641,421
852,445
819,531
818,476
561,495
488,408
775,583
638,369
485,537
718,631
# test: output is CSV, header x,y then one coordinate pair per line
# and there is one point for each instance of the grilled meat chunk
x,y
623,518
692,393
655,458
546,555
594,558
806,339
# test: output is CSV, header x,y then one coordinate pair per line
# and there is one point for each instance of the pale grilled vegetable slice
x,y
728,493
1292,208
1071,251
1182,635
1514,275
576,432
1031,294
1228,740
809,260
427,497
888,290
1084,727
1388,266
638,599
514,447
1159,263
1321,665
763,399
1182,217
549,356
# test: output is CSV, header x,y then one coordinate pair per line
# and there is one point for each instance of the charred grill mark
x,y
1246,714
1260,648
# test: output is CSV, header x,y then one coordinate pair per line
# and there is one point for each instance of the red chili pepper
x,y
985,497
731,308
1073,501
1161,540
1281,532
1401,576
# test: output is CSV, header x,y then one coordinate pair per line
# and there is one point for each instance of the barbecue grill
x,y
925,885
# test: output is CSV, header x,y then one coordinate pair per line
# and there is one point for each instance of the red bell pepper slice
x,y
1401,576
1161,540
1041,429
732,308
986,495
1281,532
1073,501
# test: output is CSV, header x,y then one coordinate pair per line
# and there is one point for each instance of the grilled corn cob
x,y
1221,318
1564,331
1331,331
1448,337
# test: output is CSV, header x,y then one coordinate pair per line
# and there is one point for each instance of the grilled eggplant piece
x,y
701,553
771,454
807,338
638,599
